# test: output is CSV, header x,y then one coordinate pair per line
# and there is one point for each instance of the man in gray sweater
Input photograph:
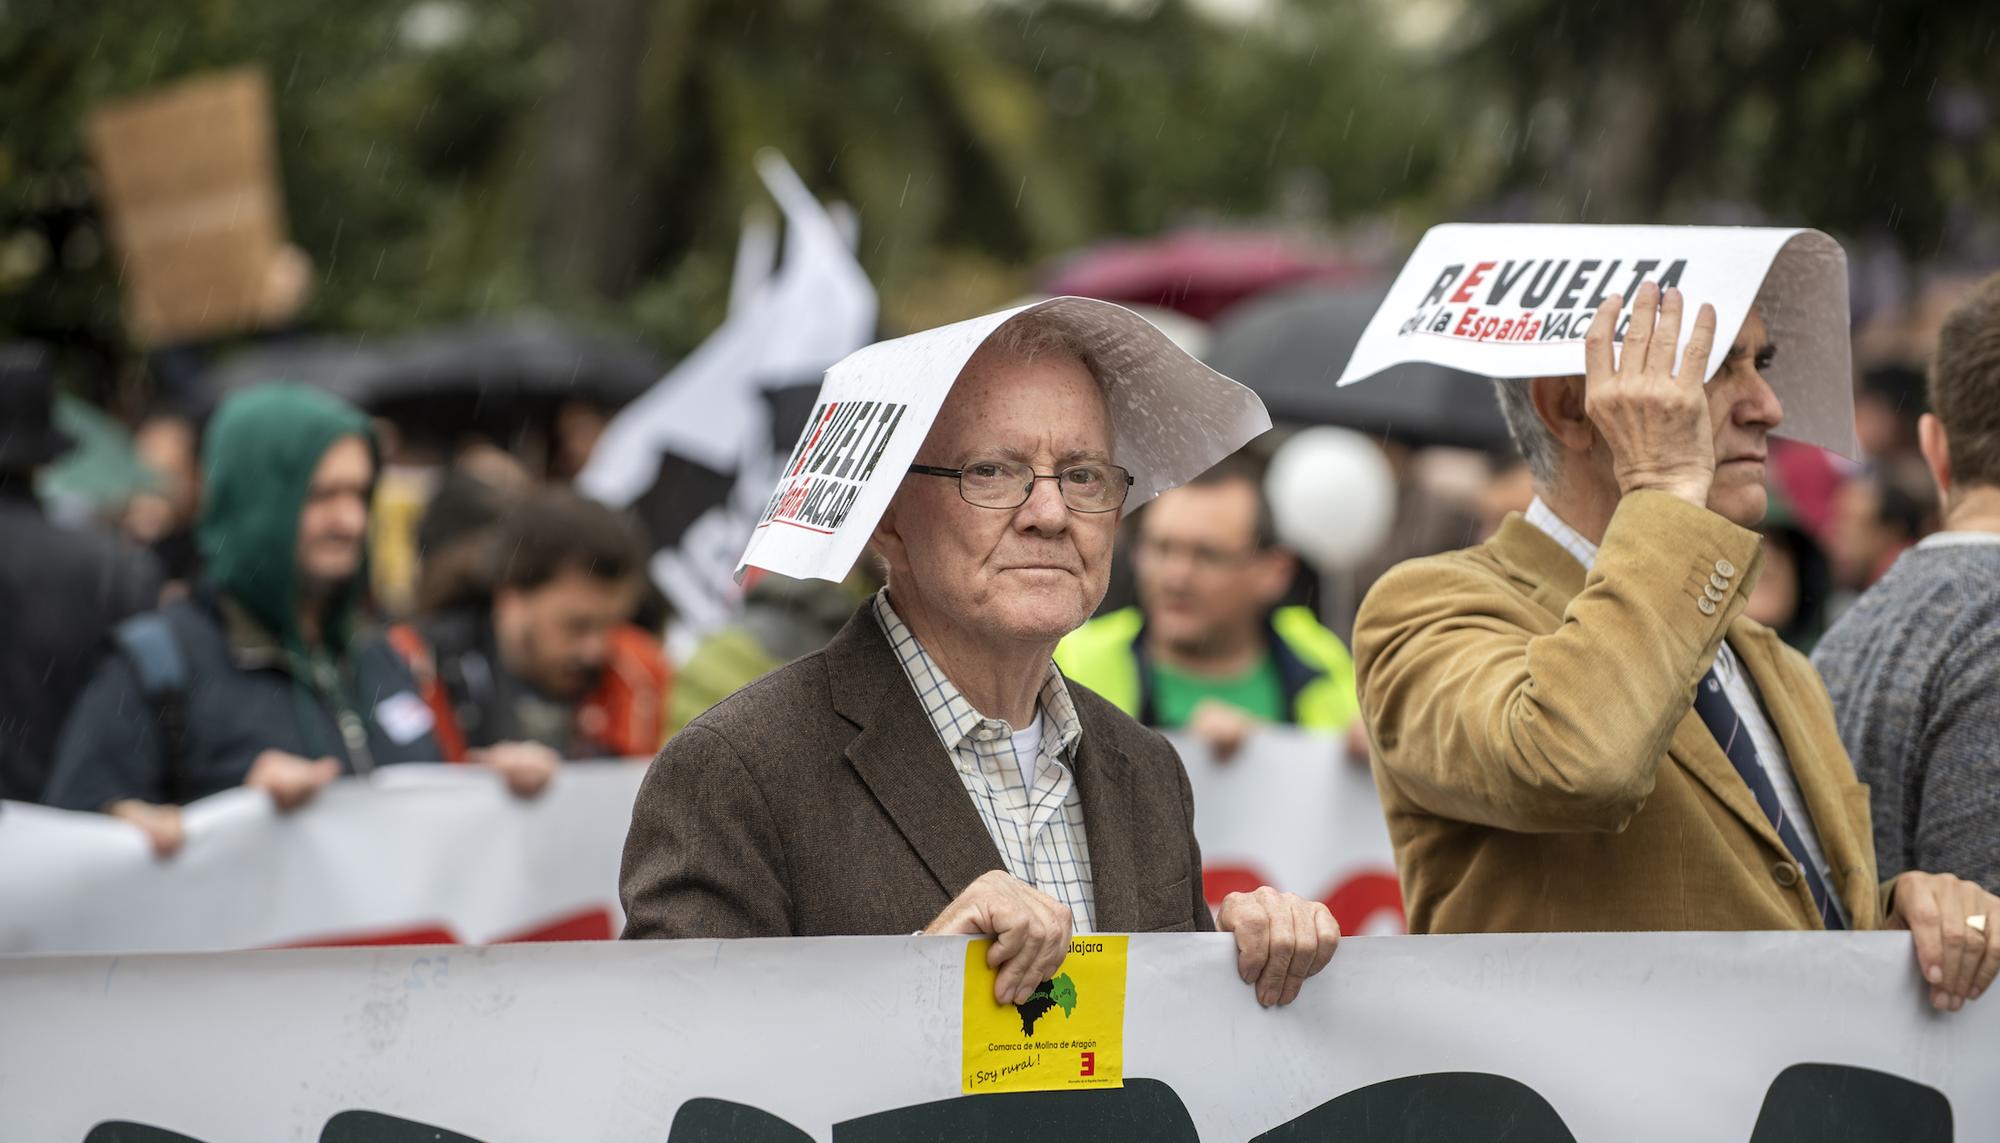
x,y
1914,666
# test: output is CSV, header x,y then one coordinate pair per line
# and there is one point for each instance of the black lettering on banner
x,y
828,473
1537,292
1444,282
1503,282
1640,269
1598,295
823,452
847,438
891,417
1571,293
1672,276
1442,322
852,459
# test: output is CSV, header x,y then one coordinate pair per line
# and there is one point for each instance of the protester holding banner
x,y
1530,699
931,769
549,666
1912,665
1208,648
258,679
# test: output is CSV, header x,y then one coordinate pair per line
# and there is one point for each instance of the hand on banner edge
x,y
1030,931
1281,939
1957,961
527,767
165,831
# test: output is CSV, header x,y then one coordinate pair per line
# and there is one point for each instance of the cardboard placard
x,y
189,181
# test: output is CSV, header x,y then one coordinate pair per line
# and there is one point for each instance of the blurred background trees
x,y
446,159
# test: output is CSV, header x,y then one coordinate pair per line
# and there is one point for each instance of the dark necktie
x,y
1715,709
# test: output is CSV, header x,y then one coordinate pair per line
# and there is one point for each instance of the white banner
x,y
1514,301
1291,810
1614,1038
414,854
430,854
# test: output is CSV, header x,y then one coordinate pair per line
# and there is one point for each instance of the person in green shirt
x,y
1208,649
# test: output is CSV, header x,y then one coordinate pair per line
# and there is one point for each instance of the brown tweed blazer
x,y
818,801
1537,751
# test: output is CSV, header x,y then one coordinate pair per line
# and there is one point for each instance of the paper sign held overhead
x,y
1172,417
1516,300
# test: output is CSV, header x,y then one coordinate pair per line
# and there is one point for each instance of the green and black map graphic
x,y
1057,993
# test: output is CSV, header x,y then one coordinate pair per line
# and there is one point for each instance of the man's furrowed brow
x,y
1028,456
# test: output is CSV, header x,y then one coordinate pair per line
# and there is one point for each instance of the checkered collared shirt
x,y
1038,829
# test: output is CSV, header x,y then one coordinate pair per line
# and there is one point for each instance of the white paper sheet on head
x,y
1515,300
1172,418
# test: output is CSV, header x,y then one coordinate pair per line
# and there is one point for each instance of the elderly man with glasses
x,y
931,770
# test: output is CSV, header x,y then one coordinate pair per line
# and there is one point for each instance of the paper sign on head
x,y
1515,300
1172,417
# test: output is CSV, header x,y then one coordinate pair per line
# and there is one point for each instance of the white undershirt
x,y
1028,748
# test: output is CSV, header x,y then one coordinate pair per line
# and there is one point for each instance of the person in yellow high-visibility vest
x,y
1208,648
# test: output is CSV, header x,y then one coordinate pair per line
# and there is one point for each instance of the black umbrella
x,y
526,359
1291,347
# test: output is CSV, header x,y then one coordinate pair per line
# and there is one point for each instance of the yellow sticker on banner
x,y
1070,1033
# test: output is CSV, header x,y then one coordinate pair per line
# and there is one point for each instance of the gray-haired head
x,y
1538,445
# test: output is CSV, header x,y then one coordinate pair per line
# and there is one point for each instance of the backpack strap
x,y
148,642
433,687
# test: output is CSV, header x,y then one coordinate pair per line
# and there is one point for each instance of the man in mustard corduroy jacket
x,y
1574,728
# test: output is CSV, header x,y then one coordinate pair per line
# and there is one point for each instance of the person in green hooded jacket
x,y
257,678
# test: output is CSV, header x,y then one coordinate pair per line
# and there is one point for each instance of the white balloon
x,y
1333,496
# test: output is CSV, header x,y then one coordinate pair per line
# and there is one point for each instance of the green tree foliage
x,y
1852,115
434,170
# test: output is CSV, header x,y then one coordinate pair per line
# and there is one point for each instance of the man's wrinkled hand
x,y
162,825
1653,418
1030,931
289,779
1281,938
1955,926
527,767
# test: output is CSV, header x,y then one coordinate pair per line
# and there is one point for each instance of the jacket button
x,y
1785,873
1718,583
1706,604
1713,595
1724,568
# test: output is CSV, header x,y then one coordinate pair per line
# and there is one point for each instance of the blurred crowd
x,y
289,590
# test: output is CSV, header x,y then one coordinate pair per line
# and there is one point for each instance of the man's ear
x,y
1558,402
506,605
1936,448
885,540
1276,568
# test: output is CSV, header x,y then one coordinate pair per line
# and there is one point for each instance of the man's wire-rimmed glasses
x,y
1009,484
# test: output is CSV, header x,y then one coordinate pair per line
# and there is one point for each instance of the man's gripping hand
x,y
1030,931
1281,938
